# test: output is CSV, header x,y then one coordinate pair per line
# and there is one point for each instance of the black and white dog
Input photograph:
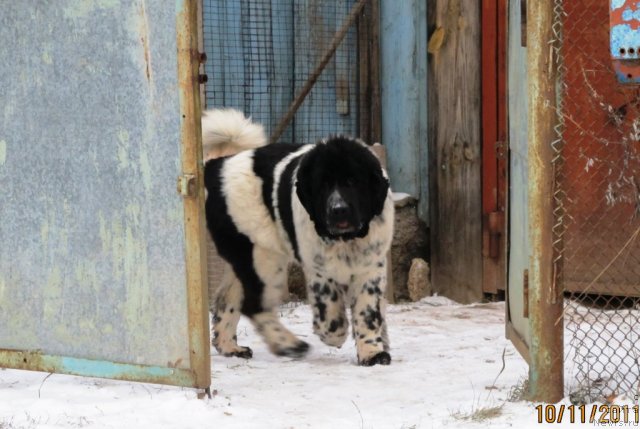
x,y
327,205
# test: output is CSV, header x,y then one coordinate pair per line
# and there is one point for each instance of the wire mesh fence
x,y
262,52
596,206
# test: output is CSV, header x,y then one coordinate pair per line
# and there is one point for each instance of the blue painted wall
x,y
403,30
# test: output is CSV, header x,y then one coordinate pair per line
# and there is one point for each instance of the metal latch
x,y
187,185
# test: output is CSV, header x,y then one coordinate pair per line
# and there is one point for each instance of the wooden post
x,y
545,297
455,149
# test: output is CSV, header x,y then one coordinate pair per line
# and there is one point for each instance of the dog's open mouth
x,y
342,228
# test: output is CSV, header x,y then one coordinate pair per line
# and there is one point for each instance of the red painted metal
x,y
601,161
494,148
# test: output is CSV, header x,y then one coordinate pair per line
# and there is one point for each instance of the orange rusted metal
x,y
195,230
546,368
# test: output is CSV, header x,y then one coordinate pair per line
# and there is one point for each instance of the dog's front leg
x,y
326,297
368,306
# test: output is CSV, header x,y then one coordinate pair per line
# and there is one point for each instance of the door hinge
x,y
187,185
494,230
501,149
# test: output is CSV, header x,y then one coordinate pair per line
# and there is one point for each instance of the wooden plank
x,y
342,62
282,78
455,152
258,56
374,72
403,83
233,55
213,44
364,90
305,37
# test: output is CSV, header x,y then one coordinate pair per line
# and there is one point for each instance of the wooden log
x,y
455,151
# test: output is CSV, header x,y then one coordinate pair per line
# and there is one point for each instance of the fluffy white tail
x,y
227,132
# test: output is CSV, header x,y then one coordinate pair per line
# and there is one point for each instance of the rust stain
x,y
144,39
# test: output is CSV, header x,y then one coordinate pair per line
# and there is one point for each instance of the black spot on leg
x,y
322,309
336,324
231,310
334,296
380,264
372,317
325,290
235,338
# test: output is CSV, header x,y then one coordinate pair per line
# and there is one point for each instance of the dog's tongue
x,y
343,224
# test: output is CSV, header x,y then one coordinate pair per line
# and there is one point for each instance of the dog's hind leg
x,y
225,308
271,269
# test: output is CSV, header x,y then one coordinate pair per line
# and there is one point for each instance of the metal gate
x,y
101,260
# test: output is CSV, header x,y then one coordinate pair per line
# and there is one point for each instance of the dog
x,y
326,205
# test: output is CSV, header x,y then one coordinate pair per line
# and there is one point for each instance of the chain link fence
x,y
596,206
261,54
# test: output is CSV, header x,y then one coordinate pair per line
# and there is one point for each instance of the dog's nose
x,y
338,207
340,211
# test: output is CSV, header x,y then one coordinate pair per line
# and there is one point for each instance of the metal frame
x,y
545,296
199,373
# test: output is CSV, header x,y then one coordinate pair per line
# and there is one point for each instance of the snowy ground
x,y
447,371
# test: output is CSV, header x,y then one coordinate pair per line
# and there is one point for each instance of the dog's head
x,y
341,185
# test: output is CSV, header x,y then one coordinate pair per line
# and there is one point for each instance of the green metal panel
x,y
518,173
100,264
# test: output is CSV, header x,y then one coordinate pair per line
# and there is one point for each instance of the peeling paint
x,y
89,237
3,152
83,8
123,148
145,169
52,295
617,4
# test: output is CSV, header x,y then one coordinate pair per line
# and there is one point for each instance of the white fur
x,y
227,132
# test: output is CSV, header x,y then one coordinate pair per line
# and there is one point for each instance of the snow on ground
x,y
447,371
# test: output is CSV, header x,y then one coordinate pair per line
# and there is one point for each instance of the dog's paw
x,y
296,351
382,358
241,352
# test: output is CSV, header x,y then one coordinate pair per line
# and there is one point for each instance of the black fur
x,y
351,168
284,204
264,163
232,245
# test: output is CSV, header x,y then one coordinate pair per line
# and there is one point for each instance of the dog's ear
x,y
379,190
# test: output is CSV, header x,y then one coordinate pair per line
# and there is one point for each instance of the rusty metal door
x,y
101,259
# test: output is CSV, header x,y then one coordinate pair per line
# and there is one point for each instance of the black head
x,y
341,185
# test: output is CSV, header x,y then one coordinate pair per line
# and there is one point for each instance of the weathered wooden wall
x,y
455,148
